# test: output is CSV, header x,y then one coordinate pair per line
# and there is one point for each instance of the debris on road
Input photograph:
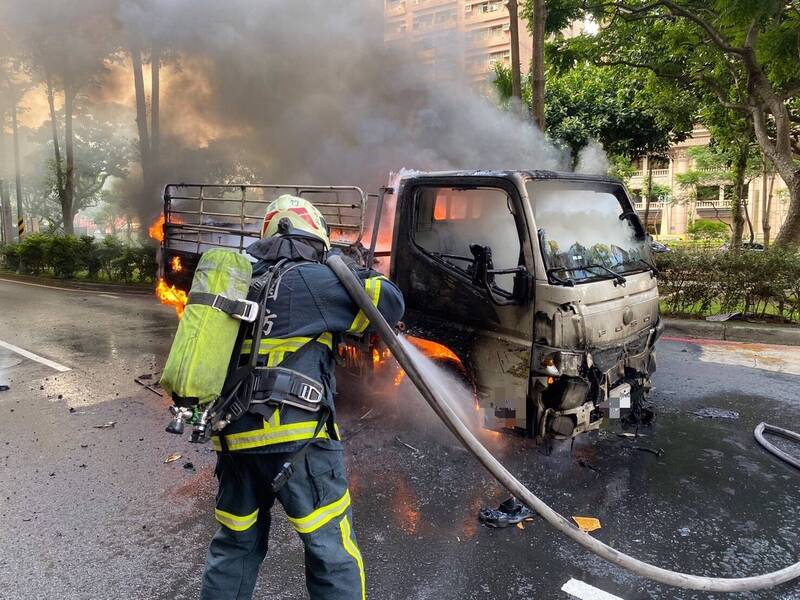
x,y
409,446
587,524
723,317
627,434
586,465
510,512
172,458
658,452
147,377
716,413
108,425
188,466
4,388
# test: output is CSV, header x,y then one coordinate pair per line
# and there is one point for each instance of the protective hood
x,y
277,248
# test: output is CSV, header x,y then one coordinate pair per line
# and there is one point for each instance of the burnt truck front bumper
x,y
574,389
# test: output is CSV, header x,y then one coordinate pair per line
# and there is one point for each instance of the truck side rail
x,y
199,216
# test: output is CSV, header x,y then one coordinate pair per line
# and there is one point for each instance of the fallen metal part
x,y
441,406
147,385
716,413
409,446
660,452
771,448
510,512
366,414
172,458
108,425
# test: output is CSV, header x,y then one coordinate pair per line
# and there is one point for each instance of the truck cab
x,y
539,284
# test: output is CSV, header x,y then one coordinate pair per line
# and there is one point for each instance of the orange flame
x,y
433,349
176,265
156,230
171,296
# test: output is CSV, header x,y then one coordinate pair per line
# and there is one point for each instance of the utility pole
x,y
17,175
516,79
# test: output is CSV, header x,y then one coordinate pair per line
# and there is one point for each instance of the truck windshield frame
x,y
595,233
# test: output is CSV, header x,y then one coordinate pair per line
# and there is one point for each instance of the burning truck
x,y
537,286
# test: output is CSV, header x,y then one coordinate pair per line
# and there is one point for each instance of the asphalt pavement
x,y
90,510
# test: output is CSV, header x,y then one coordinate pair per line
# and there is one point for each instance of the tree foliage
x,y
737,55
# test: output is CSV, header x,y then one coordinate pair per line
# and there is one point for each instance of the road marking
x,y
584,591
40,359
76,290
109,296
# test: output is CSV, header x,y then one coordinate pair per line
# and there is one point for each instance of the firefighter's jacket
x,y
306,320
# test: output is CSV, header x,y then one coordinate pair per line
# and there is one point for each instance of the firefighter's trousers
x,y
317,501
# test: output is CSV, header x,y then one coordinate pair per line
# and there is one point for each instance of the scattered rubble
x,y
108,425
716,413
172,458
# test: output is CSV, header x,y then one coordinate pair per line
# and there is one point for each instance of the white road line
x,y
109,296
50,287
40,359
584,591
63,289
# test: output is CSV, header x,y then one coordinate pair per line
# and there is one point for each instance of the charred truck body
x,y
540,285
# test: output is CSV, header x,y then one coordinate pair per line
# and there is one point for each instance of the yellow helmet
x,y
303,216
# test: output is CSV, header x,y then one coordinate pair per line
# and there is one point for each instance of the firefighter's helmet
x,y
304,217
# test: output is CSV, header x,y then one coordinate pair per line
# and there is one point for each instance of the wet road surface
x,y
95,513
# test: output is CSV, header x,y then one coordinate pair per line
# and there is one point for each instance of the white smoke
x,y
592,159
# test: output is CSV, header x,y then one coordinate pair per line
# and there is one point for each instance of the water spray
x,y
440,405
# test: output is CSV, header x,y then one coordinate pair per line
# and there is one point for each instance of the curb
x,y
735,331
78,285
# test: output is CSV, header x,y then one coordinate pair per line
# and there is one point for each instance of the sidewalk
x,y
139,289
737,331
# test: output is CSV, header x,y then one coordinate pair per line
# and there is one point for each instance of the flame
x,y
434,349
398,379
156,230
171,296
176,265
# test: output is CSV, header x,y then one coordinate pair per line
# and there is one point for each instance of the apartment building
x,y
672,212
453,38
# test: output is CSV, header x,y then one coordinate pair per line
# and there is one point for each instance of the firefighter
x,y
307,311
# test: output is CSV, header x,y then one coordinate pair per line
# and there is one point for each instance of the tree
x,y
100,153
66,45
516,69
148,138
744,53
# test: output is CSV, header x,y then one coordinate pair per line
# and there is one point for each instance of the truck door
x,y
464,260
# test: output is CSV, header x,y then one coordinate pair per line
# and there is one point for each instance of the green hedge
x,y
701,282
67,257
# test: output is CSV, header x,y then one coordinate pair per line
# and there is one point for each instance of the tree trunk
x,y
748,220
5,214
737,218
59,167
17,166
765,203
155,101
537,68
69,174
516,71
779,151
649,192
144,138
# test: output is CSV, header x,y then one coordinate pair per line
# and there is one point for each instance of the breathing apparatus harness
x,y
264,390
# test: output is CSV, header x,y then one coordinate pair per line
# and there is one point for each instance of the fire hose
x,y
771,448
440,405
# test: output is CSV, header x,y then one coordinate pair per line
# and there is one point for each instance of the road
x,y
95,513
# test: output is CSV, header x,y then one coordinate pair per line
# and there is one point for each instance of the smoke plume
x,y
288,92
